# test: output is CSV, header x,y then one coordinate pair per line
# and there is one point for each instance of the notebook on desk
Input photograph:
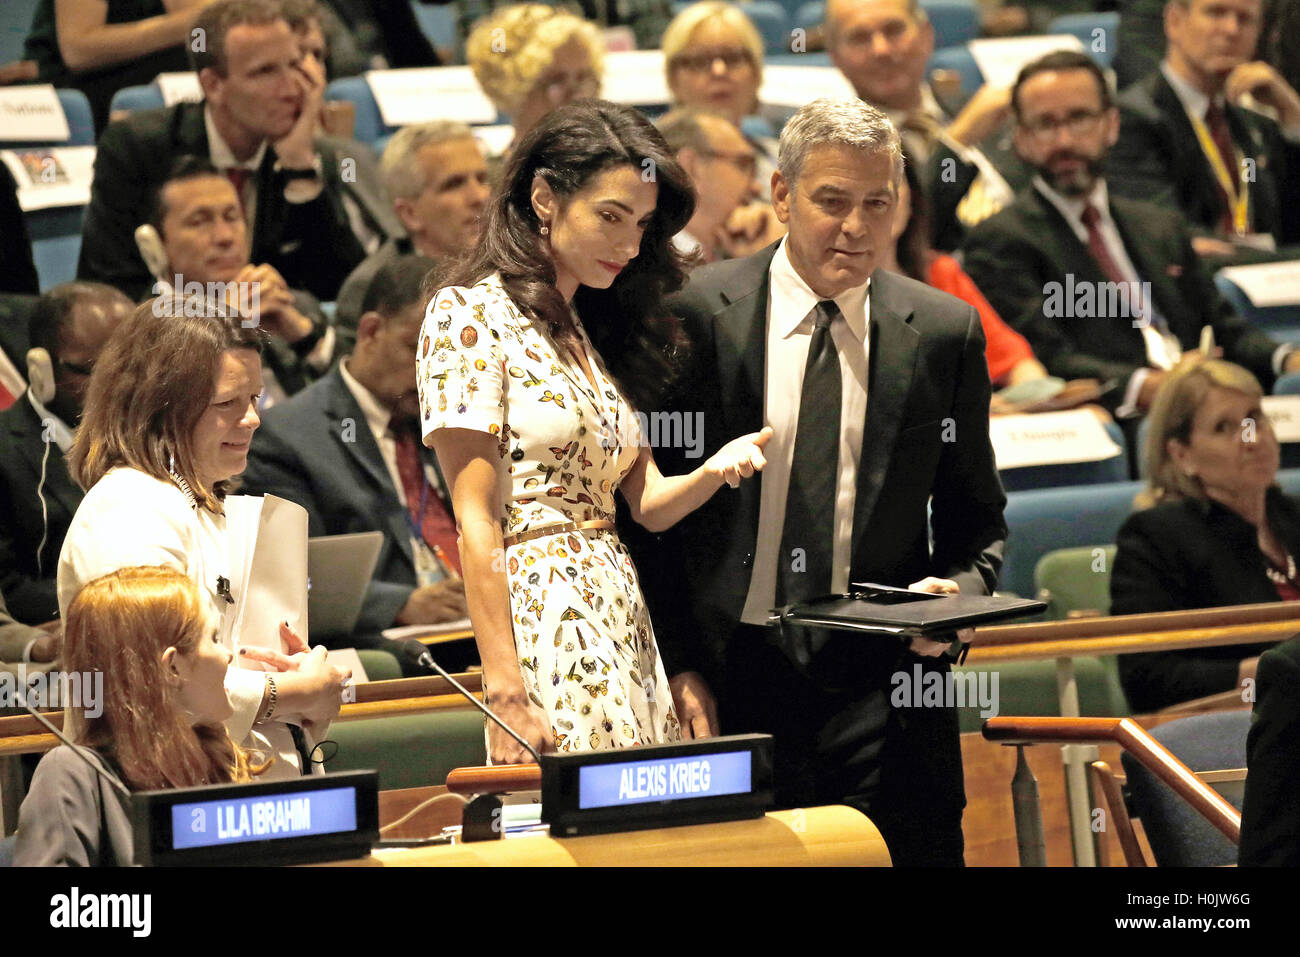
x,y
884,610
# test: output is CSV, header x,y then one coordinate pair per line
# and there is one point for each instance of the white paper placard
x,y
1050,438
421,94
1000,60
32,113
794,85
496,139
180,87
1268,284
636,77
49,178
1283,413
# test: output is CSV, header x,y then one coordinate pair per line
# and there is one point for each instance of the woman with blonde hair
x,y
1213,528
531,58
714,57
155,723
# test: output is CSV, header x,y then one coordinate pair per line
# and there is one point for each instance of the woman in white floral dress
x,y
535,434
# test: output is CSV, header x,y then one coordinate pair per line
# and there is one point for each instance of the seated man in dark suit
x,y
1270,817
257,123
38,498
878,394
204,241
1186,142
1102,287
344,449
969,171
436,178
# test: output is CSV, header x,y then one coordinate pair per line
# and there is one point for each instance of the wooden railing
x,y
23,734
1129,735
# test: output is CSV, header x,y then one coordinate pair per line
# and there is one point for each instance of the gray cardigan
x,y
71,817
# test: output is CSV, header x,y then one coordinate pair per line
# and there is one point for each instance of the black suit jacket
x,y
1016,256
1158,158
1270,815
17,271
1192,554
927,372
317,450
311,244
26,580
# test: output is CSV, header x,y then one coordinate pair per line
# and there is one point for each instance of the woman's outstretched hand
x,y
740,458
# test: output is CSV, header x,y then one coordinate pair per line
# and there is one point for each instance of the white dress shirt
x,y
789,332
379,420
223,158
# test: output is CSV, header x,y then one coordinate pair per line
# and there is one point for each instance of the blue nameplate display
x,y
694,782
322,817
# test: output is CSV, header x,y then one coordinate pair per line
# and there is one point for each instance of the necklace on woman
x,y
1277,576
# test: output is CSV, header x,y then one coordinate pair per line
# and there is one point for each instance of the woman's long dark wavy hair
x,y
627,322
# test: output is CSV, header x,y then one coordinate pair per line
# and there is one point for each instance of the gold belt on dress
x,y
528,536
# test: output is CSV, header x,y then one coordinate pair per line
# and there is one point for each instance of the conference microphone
x,y
417,654
49,726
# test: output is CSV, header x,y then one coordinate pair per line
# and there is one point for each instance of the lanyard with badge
x,y
1236,188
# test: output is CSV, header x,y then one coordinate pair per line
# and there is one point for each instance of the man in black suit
x,y
204,241
344,450
257,124
969,172
1102,287
1270,817
1186,143
878,392
69,327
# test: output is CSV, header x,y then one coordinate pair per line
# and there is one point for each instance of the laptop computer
x,y
339,568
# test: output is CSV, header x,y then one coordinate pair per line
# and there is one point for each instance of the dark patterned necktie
x,y
808,535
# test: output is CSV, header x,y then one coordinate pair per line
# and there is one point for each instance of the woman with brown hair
x,y
170,411
155,723
1213,529
534,358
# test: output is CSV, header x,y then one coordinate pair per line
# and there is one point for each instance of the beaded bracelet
x,y
271,696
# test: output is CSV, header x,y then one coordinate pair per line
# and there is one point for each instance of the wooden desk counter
x,y
821,836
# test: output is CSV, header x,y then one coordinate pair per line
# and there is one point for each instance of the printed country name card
x,y
49,178
1050,438
1268,284
1000,59
636,77
32,114
422,94
793,85
1283,413
696,782
325,817
179,87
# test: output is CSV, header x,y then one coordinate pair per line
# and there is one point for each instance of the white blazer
x,y
130,518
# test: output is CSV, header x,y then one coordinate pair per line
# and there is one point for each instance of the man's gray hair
x,y
837,122
403,178
684,128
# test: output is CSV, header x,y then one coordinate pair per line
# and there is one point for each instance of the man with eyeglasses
x,y
69,327
968,170
1191,140
1102,287
721,164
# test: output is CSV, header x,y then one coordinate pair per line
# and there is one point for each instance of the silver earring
x,y
545,230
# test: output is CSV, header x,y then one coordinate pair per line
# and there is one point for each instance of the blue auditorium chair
x,y
132,98
809,14
437,23
960,60
1044,520
56,258
954,21
1281,322
773,24
1114,469
15,22
1178,834
370,126
1100,46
